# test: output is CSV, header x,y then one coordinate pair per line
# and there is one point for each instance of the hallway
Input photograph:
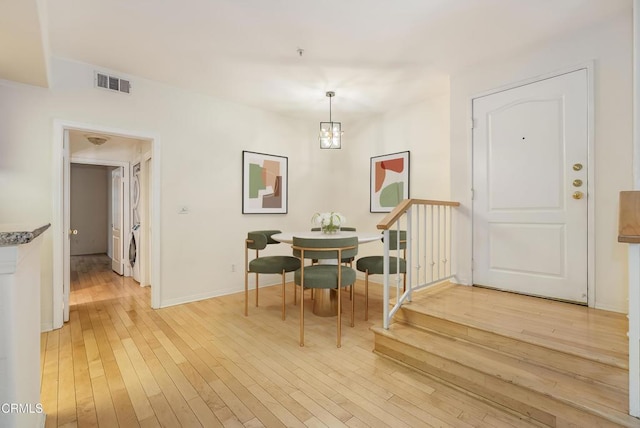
x,y
92,280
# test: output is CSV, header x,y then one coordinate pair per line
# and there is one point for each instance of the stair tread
x,y
606,399
576,364
507,322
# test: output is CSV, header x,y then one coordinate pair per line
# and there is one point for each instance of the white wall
x,y
89,209
25,172
202,140
423,130
609,45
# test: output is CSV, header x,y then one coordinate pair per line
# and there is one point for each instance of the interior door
x,y
530,152
117,262
145,189
66,250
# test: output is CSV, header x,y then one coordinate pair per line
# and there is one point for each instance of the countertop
x,y
16,235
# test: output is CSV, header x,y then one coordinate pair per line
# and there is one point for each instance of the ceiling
x,y
376,55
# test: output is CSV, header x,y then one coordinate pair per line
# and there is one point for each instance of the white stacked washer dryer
x,y
134,240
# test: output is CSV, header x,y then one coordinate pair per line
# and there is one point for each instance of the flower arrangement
x,y
329,222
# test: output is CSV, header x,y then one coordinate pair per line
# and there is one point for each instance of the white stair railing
x,y
427,250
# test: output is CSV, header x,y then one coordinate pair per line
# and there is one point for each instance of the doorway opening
x,y
98,213
125,155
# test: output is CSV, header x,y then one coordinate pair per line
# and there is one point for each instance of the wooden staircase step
x,y
593,366
545,394
588,333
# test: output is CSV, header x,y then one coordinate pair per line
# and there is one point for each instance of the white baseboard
x,y
196,297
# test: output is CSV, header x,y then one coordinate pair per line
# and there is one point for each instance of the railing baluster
x,y
450,256
423,221
439,243
444,242
385,283
409,244
432,244
424,245
418,216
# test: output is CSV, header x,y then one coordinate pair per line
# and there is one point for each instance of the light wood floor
x,y
119,363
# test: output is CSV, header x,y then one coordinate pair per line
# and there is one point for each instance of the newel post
x,y
629,232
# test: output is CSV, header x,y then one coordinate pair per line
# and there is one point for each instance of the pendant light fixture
x,y
330,132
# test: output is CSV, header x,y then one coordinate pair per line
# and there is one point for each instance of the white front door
x,y
530,152
117,263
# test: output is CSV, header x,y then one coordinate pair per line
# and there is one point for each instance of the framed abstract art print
x,y
264,183
389,181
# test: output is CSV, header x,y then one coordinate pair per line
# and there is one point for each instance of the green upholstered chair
x,y
374,265
258,240
348,260
327,276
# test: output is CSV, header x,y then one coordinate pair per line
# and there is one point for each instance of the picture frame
x,y
389,181
265,183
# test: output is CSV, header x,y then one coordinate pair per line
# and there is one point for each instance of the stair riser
x,y
517,398
575,365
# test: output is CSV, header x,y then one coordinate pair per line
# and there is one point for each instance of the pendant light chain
x,y
330,120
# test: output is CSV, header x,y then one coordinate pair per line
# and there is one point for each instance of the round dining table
x,y
325,301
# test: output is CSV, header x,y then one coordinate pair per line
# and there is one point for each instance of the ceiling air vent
x,y
112,83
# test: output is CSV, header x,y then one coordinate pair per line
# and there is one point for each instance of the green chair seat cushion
x,y
375,265
274,264
324,276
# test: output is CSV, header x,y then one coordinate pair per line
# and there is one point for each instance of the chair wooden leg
x,y
283,295
353,305
301,315
246,292
295,293
352,285
366,295
256,289
339,317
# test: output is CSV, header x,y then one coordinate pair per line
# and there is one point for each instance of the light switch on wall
x,y
183,210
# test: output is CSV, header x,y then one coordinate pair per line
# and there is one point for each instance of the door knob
x,y
73,231
578,195
577,183
577,166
